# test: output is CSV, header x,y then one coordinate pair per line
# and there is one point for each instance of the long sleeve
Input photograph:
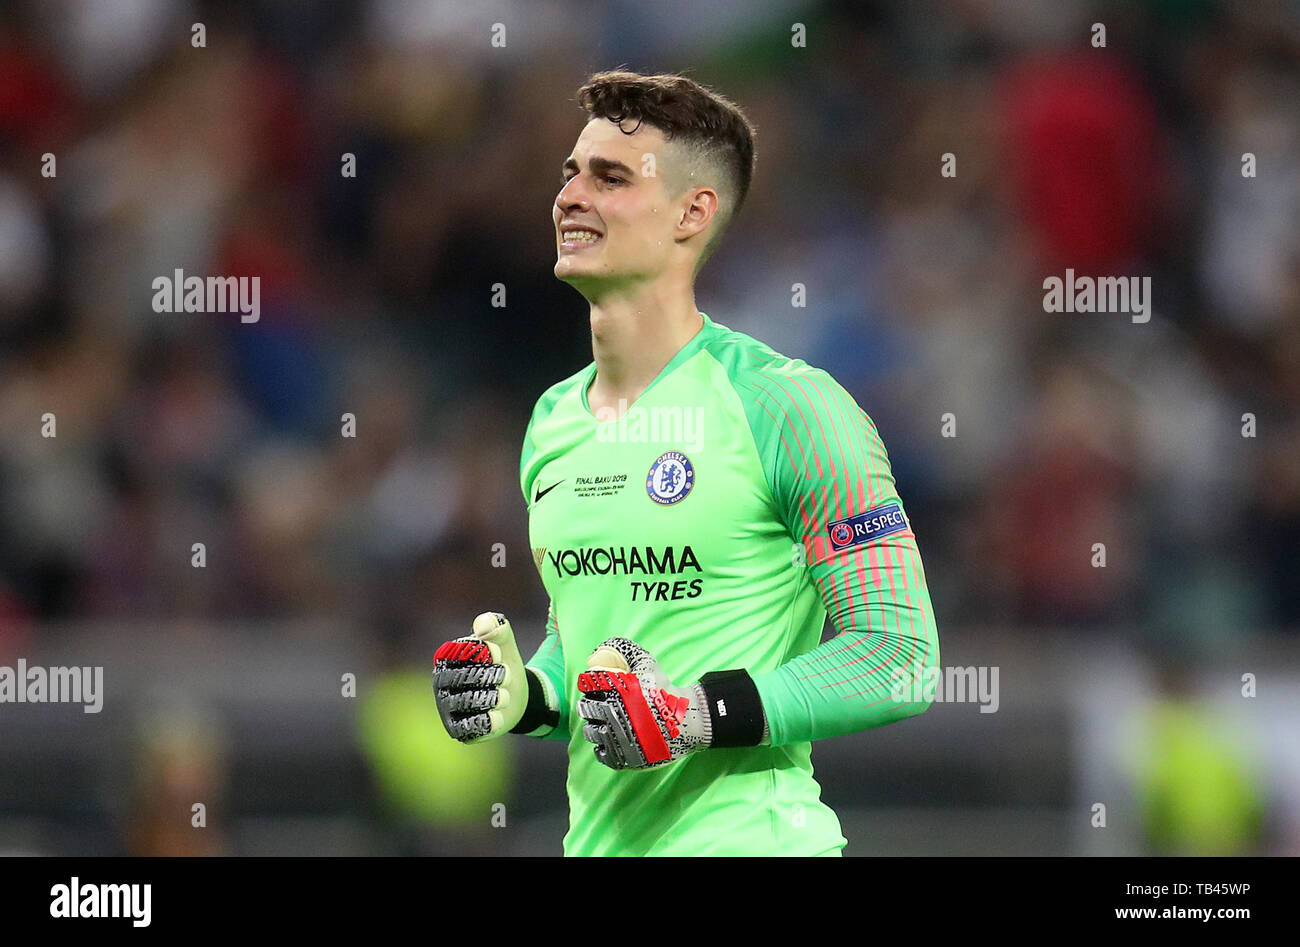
x,y
548,664
831,481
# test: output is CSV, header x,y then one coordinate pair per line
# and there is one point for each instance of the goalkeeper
x,y
698,506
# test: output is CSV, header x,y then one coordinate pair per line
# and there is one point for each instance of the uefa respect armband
x,y
883,520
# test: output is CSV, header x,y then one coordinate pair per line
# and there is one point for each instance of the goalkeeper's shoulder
x,y
787,400
535,435
552,396
770,384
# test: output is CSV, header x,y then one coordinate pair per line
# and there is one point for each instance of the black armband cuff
x,y
735,710
536,714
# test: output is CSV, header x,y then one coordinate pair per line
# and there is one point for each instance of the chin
x,y
566,275
566,267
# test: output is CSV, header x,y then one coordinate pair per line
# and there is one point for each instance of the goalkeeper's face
x,y
616,221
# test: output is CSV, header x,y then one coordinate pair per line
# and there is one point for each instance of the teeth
x,y
581,236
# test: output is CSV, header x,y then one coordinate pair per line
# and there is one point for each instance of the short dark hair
x,y
705,121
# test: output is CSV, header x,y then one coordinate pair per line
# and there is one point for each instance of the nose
x,y
572,196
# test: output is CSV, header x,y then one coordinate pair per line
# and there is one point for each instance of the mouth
x,y
578,238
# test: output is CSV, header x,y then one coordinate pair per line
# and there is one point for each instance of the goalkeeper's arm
x,y
871,673
867,676
547,700
830,476
832,485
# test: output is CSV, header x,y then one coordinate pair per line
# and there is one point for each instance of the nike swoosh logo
x,y
542,493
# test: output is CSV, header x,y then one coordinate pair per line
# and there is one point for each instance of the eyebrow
x,y
599,166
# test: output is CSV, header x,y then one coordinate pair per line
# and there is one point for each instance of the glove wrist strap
x,y
734,708
537,713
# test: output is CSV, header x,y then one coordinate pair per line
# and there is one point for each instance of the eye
x,y
610,179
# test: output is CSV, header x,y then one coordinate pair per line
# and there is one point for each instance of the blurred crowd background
x,y
328,556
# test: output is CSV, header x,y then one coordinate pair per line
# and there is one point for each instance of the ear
x,y
697,212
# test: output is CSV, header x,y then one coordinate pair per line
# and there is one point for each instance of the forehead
x,y
602,137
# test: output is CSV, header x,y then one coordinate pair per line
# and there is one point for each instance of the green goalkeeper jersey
x,y
739,501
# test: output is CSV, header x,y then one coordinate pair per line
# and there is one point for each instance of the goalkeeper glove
x,y
483,689
637,719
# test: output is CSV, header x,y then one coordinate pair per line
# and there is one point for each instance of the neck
x,y
633,336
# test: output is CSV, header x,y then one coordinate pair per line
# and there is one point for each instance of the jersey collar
x,y
692,346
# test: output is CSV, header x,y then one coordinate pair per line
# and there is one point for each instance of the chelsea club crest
x,y
671,477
